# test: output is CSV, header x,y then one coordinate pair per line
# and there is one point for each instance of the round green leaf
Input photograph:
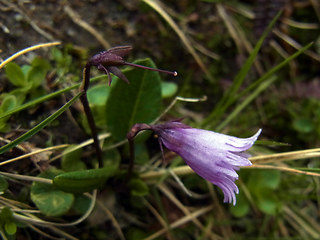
x,y
168,89
48,199
10,227
53,203
83,181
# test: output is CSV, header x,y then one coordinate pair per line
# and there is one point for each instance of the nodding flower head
x,y
109,60
213,156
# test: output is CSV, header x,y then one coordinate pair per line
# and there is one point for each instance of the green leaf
x,y
49,200
98,95
6,215
139,101
168,89
3,184
81,204
83,181
267,202
138,187
141,154
56,54
264,179
10,227
303,125
38,71
20,95
25,69
72,160
241,209
15,75
8,103
111,158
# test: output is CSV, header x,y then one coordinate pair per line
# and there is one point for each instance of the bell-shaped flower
x,y
213,156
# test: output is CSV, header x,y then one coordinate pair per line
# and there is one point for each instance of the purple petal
x,y
120,50
215,157
116,71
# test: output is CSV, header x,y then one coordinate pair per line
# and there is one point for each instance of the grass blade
x,y
40,126
263,86
229,95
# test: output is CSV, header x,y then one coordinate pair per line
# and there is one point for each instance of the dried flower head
x,y
108,61
215,157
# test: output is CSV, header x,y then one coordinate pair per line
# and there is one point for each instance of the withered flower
x,y
109,60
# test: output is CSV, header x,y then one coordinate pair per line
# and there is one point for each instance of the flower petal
x,y
214,156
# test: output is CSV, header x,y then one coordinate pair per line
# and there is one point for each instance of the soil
x,y
26,23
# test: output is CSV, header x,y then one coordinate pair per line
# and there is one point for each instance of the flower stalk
x,y
107,61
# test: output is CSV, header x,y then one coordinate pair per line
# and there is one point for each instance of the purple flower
x,y
109,60
215,157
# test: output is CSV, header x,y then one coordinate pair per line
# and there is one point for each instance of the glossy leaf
x,y
139,101
98,95
83,181
49,200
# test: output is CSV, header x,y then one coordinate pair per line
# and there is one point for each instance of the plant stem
x,y
84,100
